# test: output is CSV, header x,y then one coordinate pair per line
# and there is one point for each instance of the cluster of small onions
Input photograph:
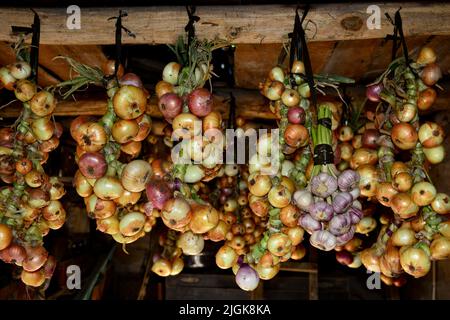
x,y
169,262
30,204
111,189
330,207
189,111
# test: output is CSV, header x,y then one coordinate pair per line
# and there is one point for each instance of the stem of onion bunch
x,y
322,135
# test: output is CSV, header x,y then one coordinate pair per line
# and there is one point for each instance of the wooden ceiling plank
x,y
239,24
351,58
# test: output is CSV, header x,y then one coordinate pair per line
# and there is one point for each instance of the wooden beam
x,y
92,56
239,24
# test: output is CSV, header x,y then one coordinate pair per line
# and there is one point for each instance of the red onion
x,y
370,138
200,102
321,211
323,240
296,115
344,257
131,79
373,92
247,278
348,179
170,105
92,165
342,201
323,185
309,223
158,193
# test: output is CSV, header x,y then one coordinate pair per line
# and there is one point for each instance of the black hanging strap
x,y
118,41
232,115
35,29
190,28
398,35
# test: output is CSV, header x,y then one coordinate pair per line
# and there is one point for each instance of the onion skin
x,y
92,165
5,236
129,102
404,136
200,102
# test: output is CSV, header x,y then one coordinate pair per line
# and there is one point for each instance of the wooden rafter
x,y
239,24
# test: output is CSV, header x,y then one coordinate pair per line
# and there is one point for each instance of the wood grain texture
x,y
92,56
239,24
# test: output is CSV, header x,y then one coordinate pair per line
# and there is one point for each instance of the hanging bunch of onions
x,y
196,141
31,200
112,190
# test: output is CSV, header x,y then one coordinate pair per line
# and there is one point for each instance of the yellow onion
x,y
131,224
415,261
108,188
124,131
279,244
176,213
128,198
370,258
259,184
441,203
53,210
295,234
363,156
402,181
259,205
186,125
190,243
109,225
403,237
43,128
219,232
35,259
101,209
204,218
43,103
135,175
129,102
440,248
82,185
57,223
404,136
431,134
385,192
91,136
435,155
25,90
226,257
403,206
298,252
162,267
423,193
369,180
33,279
171,72
163,87
177,266
120,238
426,56
279,196
6,236
267,273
